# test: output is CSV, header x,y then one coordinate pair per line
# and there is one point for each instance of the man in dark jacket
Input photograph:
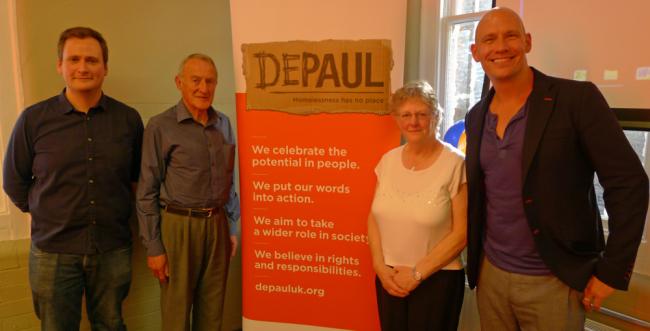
x,y
536,249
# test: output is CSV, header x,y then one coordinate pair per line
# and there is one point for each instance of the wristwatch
x,y
417,275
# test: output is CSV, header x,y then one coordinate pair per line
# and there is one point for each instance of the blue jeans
x,y
58,282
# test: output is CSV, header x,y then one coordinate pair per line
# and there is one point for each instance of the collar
x,y
182,114
491,118
63,105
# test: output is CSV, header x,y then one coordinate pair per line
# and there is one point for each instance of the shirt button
x,y
535,232
92,202
87,118
90,158
91,181
90,139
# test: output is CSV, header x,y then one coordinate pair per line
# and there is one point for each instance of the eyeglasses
x,y
420,116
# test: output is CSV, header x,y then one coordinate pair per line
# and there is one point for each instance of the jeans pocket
x,y
36,252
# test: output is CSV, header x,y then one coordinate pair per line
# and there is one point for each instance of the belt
x,y
195,212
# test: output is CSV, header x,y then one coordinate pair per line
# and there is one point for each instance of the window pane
x,y
471,6
639,142
464,76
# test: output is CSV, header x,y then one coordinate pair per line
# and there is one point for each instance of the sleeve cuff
x,y
23,207
154,248
613,275
233,229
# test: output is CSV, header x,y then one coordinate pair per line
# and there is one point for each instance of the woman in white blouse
x,y
417,224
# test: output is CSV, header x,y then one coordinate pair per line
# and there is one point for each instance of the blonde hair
x,y
419,90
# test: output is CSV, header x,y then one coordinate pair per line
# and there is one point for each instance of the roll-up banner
x,y
313,79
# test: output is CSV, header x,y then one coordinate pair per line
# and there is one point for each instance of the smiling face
x,y
501,45
197,83
82,65
415,120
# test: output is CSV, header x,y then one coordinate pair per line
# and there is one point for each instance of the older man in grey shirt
x,y
184,194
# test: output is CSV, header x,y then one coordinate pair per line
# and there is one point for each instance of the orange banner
x,y
306,186
311,79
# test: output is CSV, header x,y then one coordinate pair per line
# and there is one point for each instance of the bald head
x,y
499,15
500,45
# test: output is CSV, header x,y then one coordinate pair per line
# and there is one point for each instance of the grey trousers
x,y
512,301
198,255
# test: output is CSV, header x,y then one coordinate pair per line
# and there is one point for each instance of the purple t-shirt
x,y
509,243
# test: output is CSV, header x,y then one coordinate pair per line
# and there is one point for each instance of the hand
x,y
386,277
233,246
158,266
595,292
404,278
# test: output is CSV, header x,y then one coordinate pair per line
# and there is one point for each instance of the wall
x,y
147,40
12,224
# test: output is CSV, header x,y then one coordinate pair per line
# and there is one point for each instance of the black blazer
x,y
570,134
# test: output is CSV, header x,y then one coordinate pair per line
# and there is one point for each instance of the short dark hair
x,y
82,32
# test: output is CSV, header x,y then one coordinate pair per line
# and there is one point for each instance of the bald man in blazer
x,y
534,144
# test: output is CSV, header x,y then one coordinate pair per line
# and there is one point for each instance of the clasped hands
x,y
398,281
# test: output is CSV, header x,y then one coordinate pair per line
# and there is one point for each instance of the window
x,y
461,78
639,142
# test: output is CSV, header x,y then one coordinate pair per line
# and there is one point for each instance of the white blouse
x,y
413,207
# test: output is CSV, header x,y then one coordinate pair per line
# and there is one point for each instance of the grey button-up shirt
x,y
181,167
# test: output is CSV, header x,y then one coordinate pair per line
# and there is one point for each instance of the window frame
x,y
447,21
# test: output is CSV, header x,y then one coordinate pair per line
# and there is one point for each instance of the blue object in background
x,y
455,136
